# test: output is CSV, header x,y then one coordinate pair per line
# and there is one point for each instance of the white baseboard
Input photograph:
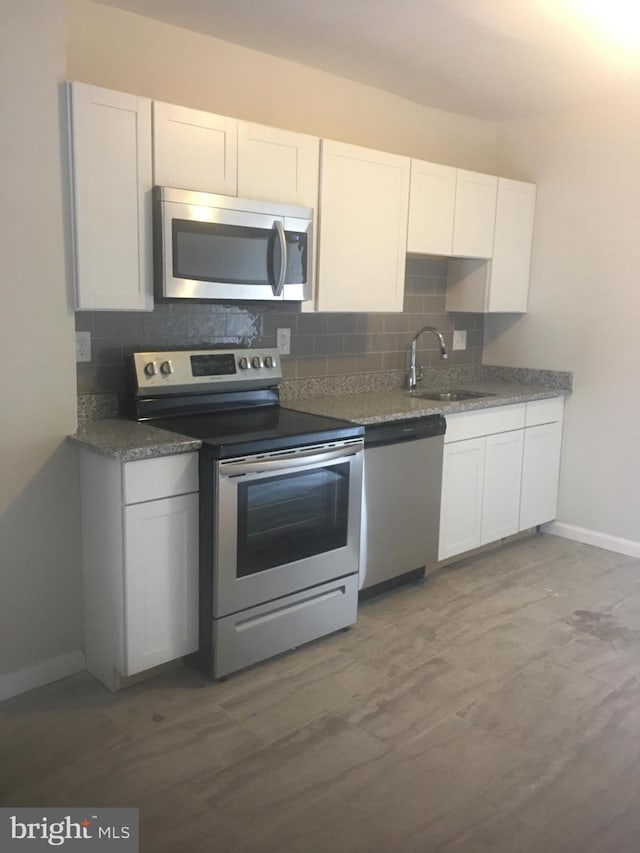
x,y
628,547
39,674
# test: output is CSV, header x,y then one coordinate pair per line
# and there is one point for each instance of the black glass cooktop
x,y
258,429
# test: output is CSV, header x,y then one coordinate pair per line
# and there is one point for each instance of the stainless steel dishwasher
x,y
401,501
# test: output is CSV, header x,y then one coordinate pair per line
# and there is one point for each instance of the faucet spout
x,y
415,372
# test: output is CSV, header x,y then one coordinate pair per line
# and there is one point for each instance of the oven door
x,y
286,521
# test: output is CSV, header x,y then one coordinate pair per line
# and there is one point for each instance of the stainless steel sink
x,y
451,396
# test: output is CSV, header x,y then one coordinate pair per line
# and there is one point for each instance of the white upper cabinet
x,y
475,213
501,284
111,180
194,150
513,240
278,165
364,203
431,208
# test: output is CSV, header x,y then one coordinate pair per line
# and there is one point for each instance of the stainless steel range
x,y
280,502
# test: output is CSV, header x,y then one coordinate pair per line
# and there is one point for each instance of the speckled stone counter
x,y
128,440
363,399
504,385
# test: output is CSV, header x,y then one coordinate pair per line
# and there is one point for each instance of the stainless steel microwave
x,y
210,246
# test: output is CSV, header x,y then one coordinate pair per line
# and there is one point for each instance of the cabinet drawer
x,y
484,422
544,411
150,479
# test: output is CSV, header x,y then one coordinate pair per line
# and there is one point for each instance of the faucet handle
x,y
419,373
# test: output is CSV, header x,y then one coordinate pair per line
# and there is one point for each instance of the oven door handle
x,y
283,463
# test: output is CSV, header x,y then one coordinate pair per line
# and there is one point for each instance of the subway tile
x,y
289,366
369,362
311,367
341,323
302,346
355,344
394,361
328,345
245,324
279,320
86,379
341,365
312,324
414,303
384,343
84,321
416,265
106,352
436,266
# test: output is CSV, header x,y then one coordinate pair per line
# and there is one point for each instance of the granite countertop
x,y
362,399
380,406
129,440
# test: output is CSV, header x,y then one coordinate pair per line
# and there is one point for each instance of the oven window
x,y
291,517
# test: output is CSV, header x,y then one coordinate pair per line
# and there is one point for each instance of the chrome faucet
x,y
415,372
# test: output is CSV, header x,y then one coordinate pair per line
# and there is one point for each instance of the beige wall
x,y
584,300
39,553
108,47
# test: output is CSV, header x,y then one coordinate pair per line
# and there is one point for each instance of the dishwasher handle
x,y
396,432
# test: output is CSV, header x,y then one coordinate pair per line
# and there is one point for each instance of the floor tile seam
x,y
330,709
514,744
313,800
597,681
164,725
544,836
336,654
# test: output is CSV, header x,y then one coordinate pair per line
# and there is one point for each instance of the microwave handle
x,y
278,284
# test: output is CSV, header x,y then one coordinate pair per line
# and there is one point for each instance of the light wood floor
x,y
496,707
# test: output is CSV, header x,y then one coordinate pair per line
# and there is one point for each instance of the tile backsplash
x,y
322,344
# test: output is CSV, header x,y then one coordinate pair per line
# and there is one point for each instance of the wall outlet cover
x,y
460,339
83,347
283,341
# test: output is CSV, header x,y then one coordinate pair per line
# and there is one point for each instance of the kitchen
x,y
582,295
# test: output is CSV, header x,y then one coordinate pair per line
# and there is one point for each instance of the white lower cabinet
x,y
541,462
140,562
160,581
461,503
501,486
500,473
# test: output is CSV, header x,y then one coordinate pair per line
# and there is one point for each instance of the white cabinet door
x,y
431,208
511,261
110,169
501,491
161,581
278,165
475,214
462,487
194,150
540,474
364,202
501,284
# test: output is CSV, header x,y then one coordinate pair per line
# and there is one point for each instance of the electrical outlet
x,y
283,341
83,346
460,340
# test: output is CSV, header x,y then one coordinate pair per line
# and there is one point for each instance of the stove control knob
x,y
167,368
150,369
269,362
256,362
243,364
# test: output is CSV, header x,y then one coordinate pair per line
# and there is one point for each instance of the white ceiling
x,y
492,59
